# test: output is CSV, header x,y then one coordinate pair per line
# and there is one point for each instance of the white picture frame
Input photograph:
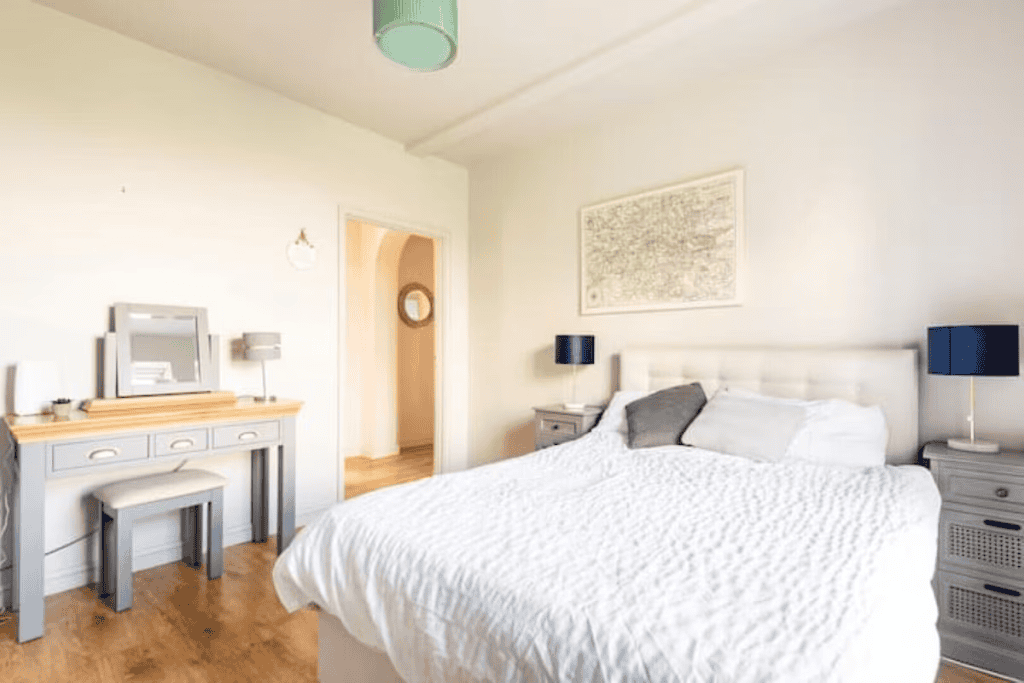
x,y
675,247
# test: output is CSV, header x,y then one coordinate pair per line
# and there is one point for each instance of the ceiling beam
x,y
696,16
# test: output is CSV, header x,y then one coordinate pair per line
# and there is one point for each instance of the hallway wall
x,y
416,351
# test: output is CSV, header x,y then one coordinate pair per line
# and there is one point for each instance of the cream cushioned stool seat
x,y
123,502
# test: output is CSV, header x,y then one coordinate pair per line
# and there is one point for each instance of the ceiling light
x,y
420,34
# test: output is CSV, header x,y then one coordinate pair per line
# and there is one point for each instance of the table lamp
x,y
975,351
262,346
574,350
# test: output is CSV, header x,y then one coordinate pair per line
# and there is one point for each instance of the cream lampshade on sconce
x,y
301,252
574,350
422,35
262,346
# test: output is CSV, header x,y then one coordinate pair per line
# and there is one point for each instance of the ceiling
x,y
525,68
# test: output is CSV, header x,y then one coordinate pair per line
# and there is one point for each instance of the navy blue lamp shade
x,y
980,350
574,349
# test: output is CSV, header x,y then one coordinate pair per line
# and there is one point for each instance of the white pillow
x,y
614,417
837,432
834,431
749,426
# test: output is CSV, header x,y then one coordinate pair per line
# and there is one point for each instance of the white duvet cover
x,y
588,562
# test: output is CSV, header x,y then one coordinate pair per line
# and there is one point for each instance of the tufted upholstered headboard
x,y
883,377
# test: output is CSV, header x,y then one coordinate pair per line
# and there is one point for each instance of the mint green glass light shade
x,y
419,34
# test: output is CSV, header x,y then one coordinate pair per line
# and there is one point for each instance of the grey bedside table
x,y
554,424
980,578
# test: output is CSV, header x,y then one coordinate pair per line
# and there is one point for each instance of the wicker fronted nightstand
x,y
555,424
980,579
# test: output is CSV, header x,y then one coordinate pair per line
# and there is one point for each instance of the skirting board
x,y
86,573
419,443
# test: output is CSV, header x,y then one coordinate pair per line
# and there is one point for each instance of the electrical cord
x,y
5,512
5,508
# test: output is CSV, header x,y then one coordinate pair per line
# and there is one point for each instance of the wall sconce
x,y
301,252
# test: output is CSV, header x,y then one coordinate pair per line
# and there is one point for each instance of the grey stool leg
x,y
193,535
108,558
124,520
215,561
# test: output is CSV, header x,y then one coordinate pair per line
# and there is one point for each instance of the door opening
x,y
391,336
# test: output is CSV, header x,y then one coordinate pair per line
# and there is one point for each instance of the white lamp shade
x,y
36,384
261,345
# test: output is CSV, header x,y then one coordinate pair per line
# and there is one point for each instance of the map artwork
x,y
677,247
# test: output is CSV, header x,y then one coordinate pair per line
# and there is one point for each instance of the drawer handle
x,y
1002,492
104,453
247,436
1005,591
179,444
554,427
1002,525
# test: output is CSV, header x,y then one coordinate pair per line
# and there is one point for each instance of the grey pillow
x,y
659,419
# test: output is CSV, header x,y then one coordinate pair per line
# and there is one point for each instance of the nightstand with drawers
x,y
555,424
980,578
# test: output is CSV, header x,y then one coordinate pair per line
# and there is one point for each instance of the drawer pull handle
x,y
1002,525
247,436
104,453
1002,492
179,444
1005,591
554,426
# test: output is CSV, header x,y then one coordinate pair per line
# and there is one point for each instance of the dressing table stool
x,y
123,502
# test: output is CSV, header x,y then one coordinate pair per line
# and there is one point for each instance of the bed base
x,y
343,659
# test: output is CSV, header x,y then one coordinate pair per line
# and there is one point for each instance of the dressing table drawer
x,y
245,434
67,456
174,443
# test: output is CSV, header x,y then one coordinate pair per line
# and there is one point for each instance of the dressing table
x,y
117,435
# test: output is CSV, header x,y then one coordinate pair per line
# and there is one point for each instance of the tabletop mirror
x,y
415,305
162,350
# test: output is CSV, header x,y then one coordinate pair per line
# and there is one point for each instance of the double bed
x,y
591,561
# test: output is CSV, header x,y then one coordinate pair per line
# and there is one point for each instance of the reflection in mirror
x,y
415,305
162,358
160,349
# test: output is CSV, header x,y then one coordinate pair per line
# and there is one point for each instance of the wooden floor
x,y
364,474
182,627
185,628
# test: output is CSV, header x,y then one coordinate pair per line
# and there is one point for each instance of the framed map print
x,y
676,247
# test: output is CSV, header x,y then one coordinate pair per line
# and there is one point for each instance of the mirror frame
x,y
123,328
415,287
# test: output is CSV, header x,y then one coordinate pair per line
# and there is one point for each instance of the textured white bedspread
x,y
587,562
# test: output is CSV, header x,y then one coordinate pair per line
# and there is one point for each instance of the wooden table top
x,y
35,428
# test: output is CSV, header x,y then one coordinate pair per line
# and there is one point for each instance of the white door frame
x,y
442,327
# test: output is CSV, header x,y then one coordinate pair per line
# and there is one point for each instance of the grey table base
x,y
30,513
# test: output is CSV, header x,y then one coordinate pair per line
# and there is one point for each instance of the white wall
x,y
133,175
883,194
